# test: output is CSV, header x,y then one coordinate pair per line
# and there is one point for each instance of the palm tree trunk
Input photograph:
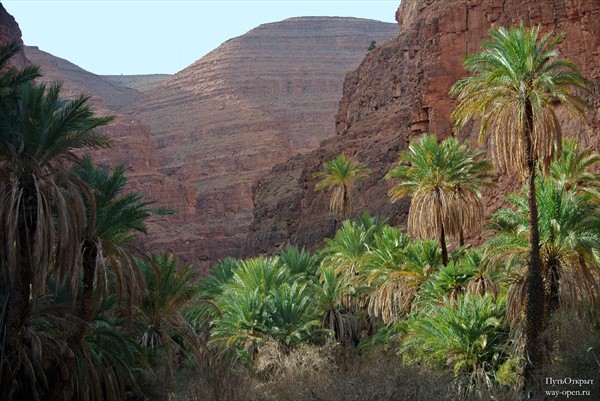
x,y
534,304
443,245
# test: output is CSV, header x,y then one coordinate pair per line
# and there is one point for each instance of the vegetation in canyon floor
x,y
374,313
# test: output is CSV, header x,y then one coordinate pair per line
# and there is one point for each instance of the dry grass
x,y
332,373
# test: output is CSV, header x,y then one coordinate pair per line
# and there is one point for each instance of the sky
x,y
112,37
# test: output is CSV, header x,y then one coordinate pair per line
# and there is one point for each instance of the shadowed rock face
x,y
9,31
231,116
401,91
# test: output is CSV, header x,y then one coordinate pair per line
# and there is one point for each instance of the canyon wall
x,y
227,119
401,91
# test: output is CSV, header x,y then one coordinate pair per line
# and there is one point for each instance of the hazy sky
x,y
160,36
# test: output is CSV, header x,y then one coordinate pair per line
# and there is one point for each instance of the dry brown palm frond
x,y
578,286
482,284
390,301
395,293
515,299
443,180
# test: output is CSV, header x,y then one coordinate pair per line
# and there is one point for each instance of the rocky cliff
x,y
9,31
400,91
231,116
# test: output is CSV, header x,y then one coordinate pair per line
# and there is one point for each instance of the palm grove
x,y
86,316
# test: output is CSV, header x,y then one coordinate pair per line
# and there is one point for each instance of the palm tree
x,y
570,238
346,251
40,204
265,300
341,174
467,335
113,220
293,314
393,273
385,278
341,322
443,181
299,262
516,82
109,362
572,169
161,313
244,304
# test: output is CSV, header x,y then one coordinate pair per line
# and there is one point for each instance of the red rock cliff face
x,y
9,31
400,91
230,117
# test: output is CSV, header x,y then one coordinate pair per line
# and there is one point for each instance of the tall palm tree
x,y
515,83
11,82
40,204
443,180
114,220
341,175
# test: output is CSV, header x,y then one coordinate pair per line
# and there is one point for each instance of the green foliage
x,y
372,45
299,262
508,373
267,298
572,169
466,335
570,245
345,252
517,76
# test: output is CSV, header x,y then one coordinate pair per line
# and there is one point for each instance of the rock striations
x,y
400,91
76,80
231,116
